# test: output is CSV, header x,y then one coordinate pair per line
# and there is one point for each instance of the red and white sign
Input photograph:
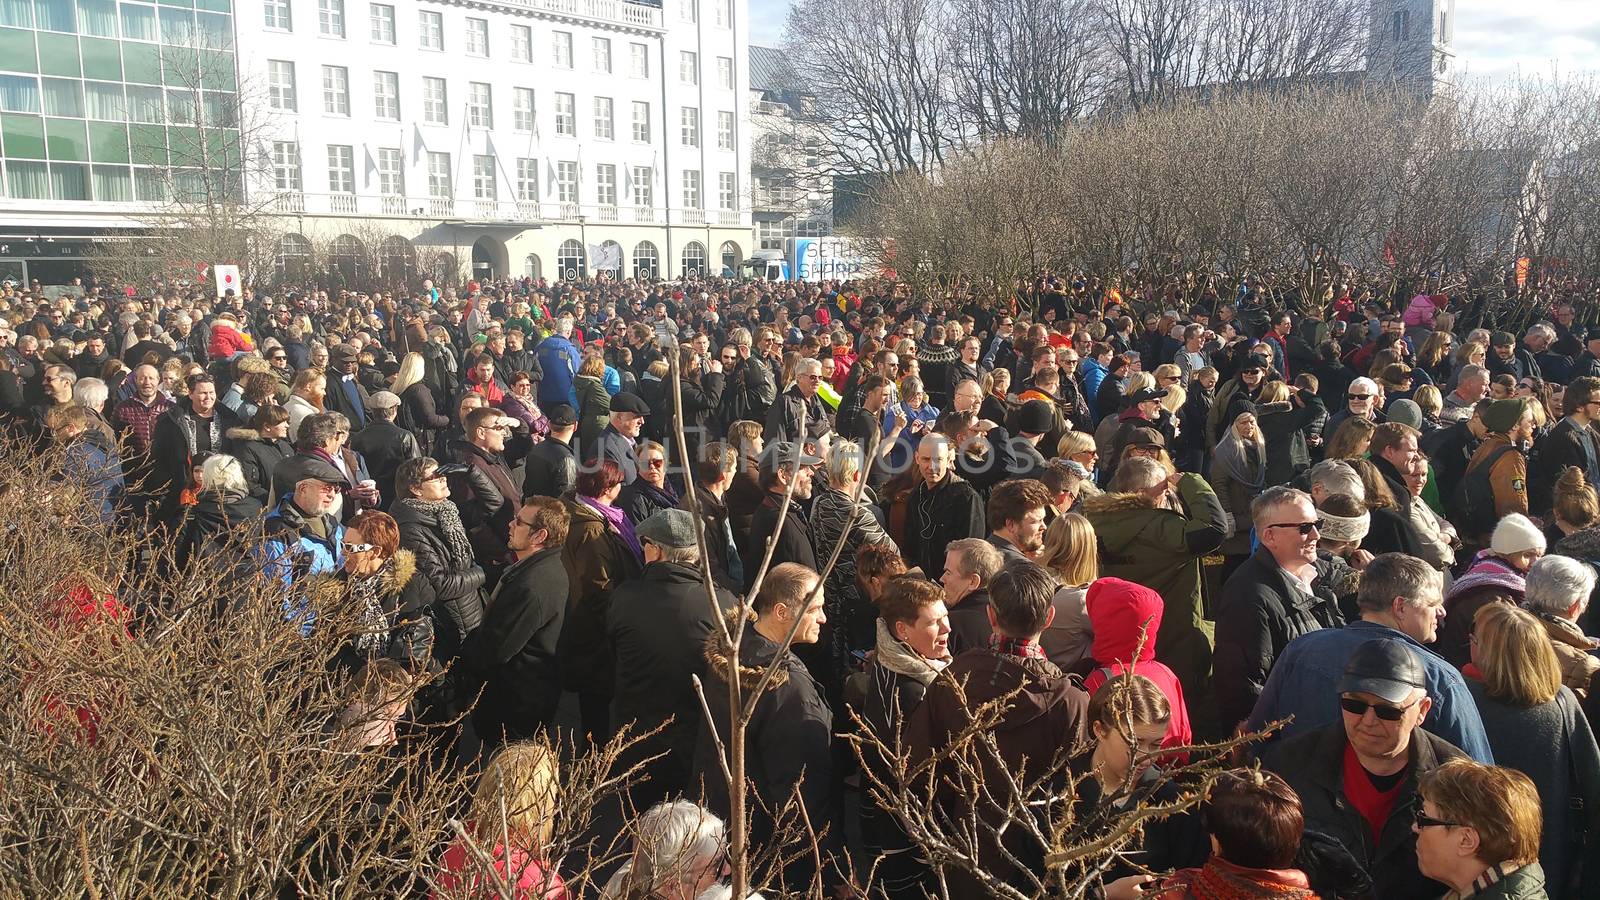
x,y
227,278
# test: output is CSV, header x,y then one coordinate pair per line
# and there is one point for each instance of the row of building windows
x,y
37,180
210,26
347,251
770,234
476,40
283,94
388,164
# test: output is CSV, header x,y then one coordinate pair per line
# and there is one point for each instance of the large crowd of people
x,y
1361,529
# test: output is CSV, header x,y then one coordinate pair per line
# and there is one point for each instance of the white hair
x,y
1364,382
1472,372
1556,582
1335,476
674,843
222,473
90,392
564,326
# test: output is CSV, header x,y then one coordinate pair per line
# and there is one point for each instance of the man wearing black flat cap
x,y
551,469
1357,779
616,443
301,535
344,392
657,625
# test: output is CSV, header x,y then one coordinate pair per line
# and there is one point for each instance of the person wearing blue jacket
x,y
1092,371
1400,599
559,358
303,539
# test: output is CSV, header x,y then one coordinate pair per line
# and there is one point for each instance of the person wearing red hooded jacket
x,y
1120,612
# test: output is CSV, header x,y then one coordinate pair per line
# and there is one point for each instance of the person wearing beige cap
x,y
384,444
1497,575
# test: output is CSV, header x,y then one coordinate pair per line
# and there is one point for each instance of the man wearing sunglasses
x,y
1401,599
489,493
1278,594
1357,779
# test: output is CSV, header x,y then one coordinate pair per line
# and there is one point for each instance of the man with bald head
x,y
135,416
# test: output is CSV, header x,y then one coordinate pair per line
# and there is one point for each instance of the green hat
x,y
1500,416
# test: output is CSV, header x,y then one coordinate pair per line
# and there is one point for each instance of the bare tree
x,y
880,93
1025,68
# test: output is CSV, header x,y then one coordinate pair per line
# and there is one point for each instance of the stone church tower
x,y
1410,42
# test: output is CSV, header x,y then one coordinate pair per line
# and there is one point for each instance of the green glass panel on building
x,y
58,54
108,142
148,144
188,3
66,140
16,51
180,66
184,144
23,136
142,62
214,5
101,59
217,72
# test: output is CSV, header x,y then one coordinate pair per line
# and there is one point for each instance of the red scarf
x,y
1219,879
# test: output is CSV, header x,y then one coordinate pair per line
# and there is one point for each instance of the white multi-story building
x,y
547,138
791,192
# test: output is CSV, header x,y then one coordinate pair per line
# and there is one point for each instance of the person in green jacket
x,y
1155,528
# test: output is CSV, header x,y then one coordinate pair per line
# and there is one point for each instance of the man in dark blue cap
x,y
552,467
1357,779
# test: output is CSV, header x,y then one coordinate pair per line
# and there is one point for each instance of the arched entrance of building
x,y
490,259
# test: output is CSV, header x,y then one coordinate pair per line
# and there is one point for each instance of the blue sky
x,y
1493,37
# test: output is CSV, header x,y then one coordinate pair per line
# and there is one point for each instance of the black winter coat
x,y
1313,764
212,517
489,495
457,589
549,470
258,457
514,652
420,416
1258,614
657,626
1561,446
640,499
936,517
794,541
788,745
1284,427
384,445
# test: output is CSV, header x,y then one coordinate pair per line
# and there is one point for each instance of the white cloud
x,y
1499,37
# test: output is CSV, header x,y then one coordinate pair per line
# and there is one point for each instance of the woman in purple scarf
x,y
602,551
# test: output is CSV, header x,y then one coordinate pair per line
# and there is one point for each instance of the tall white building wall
x,y
478,133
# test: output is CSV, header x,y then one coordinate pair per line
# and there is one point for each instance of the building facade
x,y
549,138
791,192
483,137
106,109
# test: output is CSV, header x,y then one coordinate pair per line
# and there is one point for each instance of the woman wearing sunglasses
x,y
389,601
